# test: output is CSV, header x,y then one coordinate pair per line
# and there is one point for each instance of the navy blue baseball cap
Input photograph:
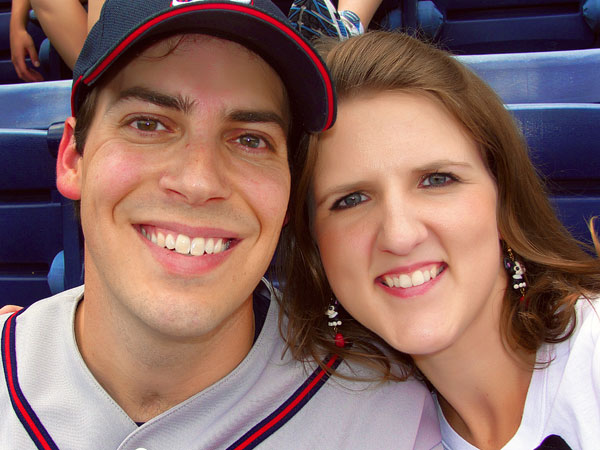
x,y
258,25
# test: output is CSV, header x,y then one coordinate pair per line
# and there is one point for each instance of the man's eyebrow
x,y
259,117
183,104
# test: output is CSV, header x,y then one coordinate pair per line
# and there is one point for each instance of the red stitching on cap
x,y
309,51
73,90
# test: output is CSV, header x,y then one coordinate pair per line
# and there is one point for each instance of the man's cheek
x,y
272,198
113,176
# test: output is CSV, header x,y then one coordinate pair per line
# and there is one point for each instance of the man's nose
x,y
198,173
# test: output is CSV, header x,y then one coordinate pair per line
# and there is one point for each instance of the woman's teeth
x,y
417,278
185,245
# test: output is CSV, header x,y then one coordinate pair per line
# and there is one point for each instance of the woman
x,y
416,200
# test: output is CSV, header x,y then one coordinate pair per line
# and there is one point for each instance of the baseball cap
x,y
258,25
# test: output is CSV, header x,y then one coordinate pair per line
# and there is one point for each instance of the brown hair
x,y
558,270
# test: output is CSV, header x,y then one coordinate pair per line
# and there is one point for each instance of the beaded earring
x,y
334,321
516,270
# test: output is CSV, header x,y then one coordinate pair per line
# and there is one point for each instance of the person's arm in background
x,y
94,8
65,24
21,42
10,309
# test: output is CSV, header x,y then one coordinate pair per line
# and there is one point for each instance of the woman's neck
x,y
482,387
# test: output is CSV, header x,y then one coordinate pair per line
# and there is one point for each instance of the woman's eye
x,y
350,201
437,179
148,124
252,141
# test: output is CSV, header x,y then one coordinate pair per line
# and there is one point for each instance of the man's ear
x,y
68,164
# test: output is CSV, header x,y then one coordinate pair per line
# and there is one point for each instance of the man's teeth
x,y
417,278
187,246
169,242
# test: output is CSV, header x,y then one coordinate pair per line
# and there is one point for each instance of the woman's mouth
x,y
415,278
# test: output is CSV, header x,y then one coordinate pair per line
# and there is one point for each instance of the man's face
x,y
184,184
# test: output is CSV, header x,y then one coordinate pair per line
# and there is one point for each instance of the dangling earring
x,y
334,321
516,270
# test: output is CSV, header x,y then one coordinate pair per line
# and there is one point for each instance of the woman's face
x,y
405,220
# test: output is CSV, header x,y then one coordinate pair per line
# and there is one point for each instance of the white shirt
x,y
564,398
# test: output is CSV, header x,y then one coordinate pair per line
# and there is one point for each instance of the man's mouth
x,y
416,278
187,245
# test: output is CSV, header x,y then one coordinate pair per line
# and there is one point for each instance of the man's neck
x,y
147,373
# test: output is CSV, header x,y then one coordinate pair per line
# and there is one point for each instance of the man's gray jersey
x,y
262,393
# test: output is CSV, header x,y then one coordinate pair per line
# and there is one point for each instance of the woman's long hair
x,y
558,270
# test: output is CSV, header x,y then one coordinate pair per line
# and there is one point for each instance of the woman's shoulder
x,y
582,343
588,319
572,381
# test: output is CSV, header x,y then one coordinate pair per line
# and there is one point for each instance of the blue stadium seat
x,y
36,221
565,148
570,76
509,26
34,105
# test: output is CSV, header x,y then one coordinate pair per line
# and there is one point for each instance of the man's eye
x,y
437,179
252,141
350,201
148,124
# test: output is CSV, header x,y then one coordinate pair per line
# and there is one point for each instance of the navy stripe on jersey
x,y
250,440
21,406
288,409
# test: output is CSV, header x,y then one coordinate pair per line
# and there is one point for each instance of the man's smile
x,y
184,244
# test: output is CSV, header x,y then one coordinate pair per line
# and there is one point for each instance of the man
x,y
178,152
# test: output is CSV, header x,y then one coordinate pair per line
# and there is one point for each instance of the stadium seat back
x,y
564,141
570,76
37,223
508,26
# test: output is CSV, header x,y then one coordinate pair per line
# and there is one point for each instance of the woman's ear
x,y
69,163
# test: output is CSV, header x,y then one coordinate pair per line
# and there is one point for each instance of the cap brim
x,y
302,71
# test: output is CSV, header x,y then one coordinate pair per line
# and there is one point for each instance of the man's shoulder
x,y
361,414
50,308
382,395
